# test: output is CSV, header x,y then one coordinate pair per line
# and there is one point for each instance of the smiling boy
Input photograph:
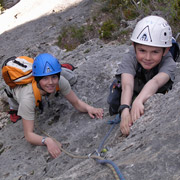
x,y
147,68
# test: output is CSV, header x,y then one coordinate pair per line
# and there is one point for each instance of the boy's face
x,y
49,83
148,56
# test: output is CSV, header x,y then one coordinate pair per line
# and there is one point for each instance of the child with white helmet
x,y
147,68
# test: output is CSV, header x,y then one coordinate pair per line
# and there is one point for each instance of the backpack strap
x,y
175,49
57,91
57,88
140,73
37,93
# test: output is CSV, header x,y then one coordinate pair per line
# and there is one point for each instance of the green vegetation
x,y
71,37
1,2
1,6
105,31
108,21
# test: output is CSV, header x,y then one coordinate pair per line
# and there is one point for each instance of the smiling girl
x,y
47,73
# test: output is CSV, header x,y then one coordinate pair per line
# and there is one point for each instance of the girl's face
x,y
149,56
49,83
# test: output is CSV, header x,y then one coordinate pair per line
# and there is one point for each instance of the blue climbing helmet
x,y
45,64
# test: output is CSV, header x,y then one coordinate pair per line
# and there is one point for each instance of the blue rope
x,y
116,168
116,120
113,123
106,136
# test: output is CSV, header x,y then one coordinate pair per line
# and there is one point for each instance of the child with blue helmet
x,y
46,70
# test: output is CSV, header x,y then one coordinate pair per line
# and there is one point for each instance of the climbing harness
x,y
96,155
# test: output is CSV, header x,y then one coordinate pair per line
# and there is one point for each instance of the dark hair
x,y
135,43
38,78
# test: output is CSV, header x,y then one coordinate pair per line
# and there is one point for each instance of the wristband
x,y
122,107
43,140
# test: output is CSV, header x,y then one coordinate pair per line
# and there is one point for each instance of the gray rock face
x,y
151,151
9,3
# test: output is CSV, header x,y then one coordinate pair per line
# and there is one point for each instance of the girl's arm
x,y
36,139
83,107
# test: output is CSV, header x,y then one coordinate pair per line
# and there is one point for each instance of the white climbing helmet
x,y
153,31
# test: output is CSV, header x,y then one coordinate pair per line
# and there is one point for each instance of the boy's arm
x,y
127,84
148,90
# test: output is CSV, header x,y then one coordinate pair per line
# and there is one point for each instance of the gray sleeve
x,y
64,85
69,75
128,63
168,66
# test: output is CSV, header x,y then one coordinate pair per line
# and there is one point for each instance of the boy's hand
x,y
137,110
126,122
